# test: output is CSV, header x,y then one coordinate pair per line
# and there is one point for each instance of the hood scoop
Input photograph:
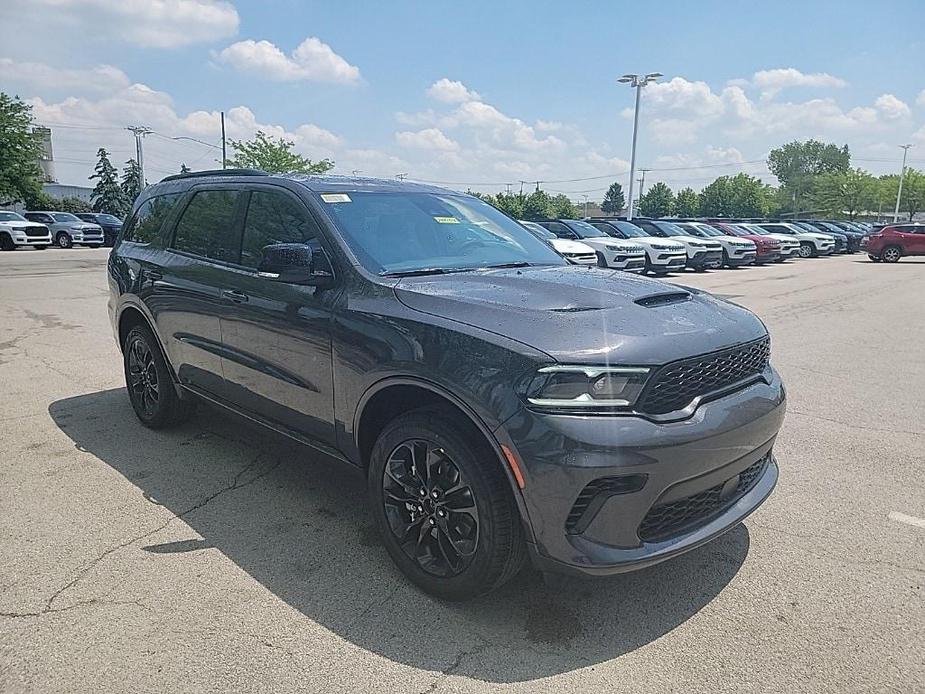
x,y
662,299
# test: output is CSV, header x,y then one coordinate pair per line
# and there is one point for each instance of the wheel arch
x,y
391,397
130,316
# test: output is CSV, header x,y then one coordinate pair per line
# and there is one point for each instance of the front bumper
x,y
767,256
662,463
629,263
737,260
705,259
667,261
24,240
791,252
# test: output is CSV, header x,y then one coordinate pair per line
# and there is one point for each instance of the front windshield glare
x,y
11,217
672,229
630,230
585,230
65,217
395,233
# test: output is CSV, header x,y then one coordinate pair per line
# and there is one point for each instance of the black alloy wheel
x,y
149,383
144,389
431,508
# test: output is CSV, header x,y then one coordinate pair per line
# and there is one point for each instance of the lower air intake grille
x,y
662,522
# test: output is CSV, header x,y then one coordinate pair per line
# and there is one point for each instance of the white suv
x,y
789,245
575,252
16,230
662,256
612,253
701,253
811,243
736,251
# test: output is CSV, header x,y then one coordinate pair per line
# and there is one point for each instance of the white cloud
x,y
41,76
678,94
428,139
452,92
155,23
920,100
891,107
770,82
311,60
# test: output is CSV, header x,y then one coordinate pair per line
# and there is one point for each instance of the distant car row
x,y
660,246
42,229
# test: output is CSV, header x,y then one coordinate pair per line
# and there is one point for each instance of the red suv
x,y
894,241
768,249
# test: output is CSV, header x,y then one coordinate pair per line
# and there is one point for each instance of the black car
x,y
111,224
500,402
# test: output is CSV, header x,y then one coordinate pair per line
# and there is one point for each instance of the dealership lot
x,y
219,558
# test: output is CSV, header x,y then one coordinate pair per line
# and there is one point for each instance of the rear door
x,y
918,240
187,287
277,336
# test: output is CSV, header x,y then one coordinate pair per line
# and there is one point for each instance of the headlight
x,y
586,387
610,247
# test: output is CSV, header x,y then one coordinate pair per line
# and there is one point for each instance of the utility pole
x,y
508,185
401,176
585,196
224,156
902,173
638,82
537,186
139,132
642,181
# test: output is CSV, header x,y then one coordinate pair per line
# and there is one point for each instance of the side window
x,y
145,225
207,227
560,230
273,218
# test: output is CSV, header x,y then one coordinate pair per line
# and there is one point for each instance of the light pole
x,y
902,173
139,132
585,196
637,81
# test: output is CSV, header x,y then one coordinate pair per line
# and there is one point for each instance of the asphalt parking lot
x,y
219,558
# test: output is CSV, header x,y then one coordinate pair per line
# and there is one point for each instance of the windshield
x,y
585,230
537,230
708,230
408,233
11,217
692,230
64,217
108,219
669,229
630,230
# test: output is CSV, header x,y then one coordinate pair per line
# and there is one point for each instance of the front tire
x,y
149,382
6,243
64,241
807,250
891,254
443,505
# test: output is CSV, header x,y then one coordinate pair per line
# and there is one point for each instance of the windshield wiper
x,y
499,266
422,271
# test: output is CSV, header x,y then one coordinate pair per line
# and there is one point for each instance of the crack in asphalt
x,y
853,425
76,605
236,483
455,665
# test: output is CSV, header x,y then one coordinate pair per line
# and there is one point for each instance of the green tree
x,y
537,205
657,202
20,173
845,192
913,196
797,164
747,196
687,203
274,155
42,201
716,199
560,207
512,204
131,184
107,194
71,203
614,200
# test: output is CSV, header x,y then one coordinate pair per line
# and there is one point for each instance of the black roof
x,y
320,183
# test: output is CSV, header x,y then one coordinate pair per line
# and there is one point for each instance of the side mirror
x,y
296,263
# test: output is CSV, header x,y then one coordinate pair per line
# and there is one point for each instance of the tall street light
x,y
902,173
637,81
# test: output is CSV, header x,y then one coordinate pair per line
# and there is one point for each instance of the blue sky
x,y
473,93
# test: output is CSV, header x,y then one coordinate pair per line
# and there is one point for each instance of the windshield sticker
x,y
446,220
335,197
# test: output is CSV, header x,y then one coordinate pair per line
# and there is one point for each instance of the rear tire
x,y
150,383
443,505
891,254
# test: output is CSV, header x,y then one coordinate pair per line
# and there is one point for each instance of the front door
x,y
277,336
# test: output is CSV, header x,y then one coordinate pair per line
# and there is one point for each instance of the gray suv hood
x,y
585,315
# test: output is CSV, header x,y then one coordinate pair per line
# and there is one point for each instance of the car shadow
x,y
296,523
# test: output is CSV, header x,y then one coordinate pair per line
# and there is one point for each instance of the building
x,y
47,157
60,190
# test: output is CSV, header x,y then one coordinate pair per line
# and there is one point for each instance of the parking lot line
x,y
908,520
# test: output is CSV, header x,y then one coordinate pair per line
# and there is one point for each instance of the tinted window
x,y
585,230
146,225
207,226
560,230
273,218
65,217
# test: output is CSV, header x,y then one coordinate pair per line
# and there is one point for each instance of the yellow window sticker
x,y
335,197
446,220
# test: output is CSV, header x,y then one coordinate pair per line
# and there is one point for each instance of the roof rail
x,y
216,172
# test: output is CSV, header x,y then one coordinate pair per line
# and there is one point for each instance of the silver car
x,y
67,230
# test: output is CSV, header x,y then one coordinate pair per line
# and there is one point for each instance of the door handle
x,y
235,296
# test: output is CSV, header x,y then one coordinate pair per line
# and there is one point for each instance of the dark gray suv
x,y
501,403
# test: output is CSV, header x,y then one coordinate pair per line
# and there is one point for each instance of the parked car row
x,y
40,229
660,246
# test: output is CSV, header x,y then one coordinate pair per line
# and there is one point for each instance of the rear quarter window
x,y
146,224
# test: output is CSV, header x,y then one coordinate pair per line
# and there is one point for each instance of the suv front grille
x,y
662,522
675,385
